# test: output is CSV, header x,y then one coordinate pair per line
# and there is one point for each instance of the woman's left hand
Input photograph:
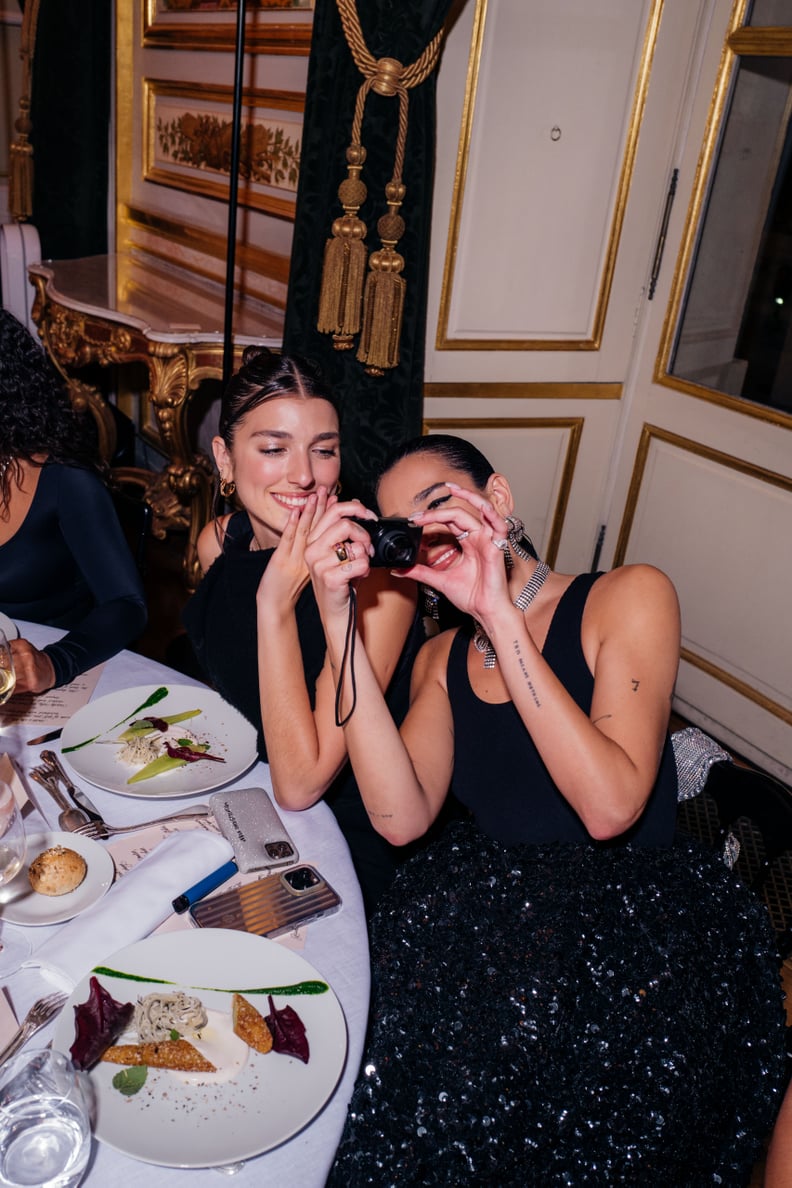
x,y
477,582
34,670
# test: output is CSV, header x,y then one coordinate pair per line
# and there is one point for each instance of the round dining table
x,y
337,946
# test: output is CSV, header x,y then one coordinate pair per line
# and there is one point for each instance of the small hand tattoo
x,y
635,685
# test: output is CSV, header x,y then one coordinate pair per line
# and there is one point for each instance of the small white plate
x,y
228,734
9,627
20,904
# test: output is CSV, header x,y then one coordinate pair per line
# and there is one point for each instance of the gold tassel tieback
x,y
342,292
345,260
20,181
383,301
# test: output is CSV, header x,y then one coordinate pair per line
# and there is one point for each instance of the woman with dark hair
x,y
253,621
564,992
63,557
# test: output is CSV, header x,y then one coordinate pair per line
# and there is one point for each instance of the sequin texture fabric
x,y
565,1015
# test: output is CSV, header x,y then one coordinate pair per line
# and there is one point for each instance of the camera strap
x,y
348,660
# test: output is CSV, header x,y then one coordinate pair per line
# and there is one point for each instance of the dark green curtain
x,y
70,114
376,412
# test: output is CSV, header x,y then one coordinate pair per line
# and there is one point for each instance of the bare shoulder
x,y
210,541
633,594
431,663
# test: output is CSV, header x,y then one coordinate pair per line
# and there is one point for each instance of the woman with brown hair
x,y
253,621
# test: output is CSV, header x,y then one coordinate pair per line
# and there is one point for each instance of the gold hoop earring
x,y
227,488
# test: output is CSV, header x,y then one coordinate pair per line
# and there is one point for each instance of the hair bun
x,y
255,353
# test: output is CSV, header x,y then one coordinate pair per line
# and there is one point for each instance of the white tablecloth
x,y
337,946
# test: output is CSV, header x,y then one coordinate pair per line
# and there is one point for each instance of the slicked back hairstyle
x,y
264,374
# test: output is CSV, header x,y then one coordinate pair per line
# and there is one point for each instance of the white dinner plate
x,y
270,1099
20,904
9,627
228,734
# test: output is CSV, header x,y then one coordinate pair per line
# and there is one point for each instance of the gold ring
x,y
341,552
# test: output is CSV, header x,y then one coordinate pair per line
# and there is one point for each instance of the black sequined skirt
x,y
564,1015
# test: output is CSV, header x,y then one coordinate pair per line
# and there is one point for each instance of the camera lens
x,y
301,879
395,542
396,548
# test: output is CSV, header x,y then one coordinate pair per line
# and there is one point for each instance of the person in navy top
x,y
64,560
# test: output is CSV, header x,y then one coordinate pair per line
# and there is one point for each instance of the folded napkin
x,y
132,908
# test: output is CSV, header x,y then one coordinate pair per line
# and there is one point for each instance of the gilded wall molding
x,y
756,40
200,34
442,341
572,425
653,433
524,391
189,148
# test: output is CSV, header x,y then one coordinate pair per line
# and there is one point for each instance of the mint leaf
x,y
130,1081
175,1035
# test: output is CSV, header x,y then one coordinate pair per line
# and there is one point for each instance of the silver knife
x,y
78,796
42,738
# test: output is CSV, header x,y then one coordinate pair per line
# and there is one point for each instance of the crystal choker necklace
x,y
481,641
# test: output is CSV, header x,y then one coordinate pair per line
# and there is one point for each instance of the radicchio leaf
x,y
288,1032
97,1024
189,755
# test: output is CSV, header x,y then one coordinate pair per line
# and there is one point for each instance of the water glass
x,y
7,672
45,1126
13,847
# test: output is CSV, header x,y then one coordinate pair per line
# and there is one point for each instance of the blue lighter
x,y
182,902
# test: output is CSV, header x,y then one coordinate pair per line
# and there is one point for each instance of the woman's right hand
x,y
35,672
286,575
337,532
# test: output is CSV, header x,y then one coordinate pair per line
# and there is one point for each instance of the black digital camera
x,y
395,542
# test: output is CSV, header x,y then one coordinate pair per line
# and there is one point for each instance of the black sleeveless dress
x,y
551,1011
220,619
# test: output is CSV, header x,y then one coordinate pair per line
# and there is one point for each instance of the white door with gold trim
x,y
559,271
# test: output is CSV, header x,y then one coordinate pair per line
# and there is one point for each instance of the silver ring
x,y
500,543
462,535
341,552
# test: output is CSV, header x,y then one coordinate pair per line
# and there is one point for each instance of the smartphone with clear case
x,y
272,905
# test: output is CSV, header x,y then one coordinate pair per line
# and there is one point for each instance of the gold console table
x,y
127,308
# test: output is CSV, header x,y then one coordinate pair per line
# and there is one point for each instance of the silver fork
x,y
93,830
41,1013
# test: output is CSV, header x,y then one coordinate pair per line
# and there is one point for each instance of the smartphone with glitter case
x,y
250,822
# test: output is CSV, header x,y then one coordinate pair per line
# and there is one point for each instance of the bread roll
x,y
57,871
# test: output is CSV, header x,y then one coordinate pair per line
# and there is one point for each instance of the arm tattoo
x,y
601,718
380,816
635,685
526,677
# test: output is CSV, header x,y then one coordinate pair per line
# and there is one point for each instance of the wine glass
x,y
13,848
7,673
